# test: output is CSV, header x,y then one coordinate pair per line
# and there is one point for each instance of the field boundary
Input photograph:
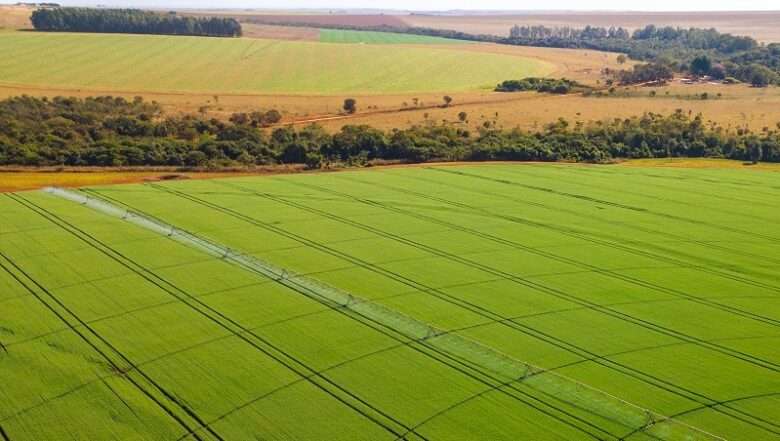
x,y
566,389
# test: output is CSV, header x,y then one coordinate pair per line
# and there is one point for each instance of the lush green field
x,y
629,290
221,65
370,37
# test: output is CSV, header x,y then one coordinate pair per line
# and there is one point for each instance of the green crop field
x,y
495,302
371,37
146,63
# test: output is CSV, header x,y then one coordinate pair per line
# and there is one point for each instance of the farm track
x,y
496,318
472,371
225,322
369,113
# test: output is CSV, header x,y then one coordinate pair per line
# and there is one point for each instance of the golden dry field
x,y
13,18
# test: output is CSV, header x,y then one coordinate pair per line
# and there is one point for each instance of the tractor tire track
x,y
214,316
443,296
476,373
609,203
539,252
670,236
767,364
112,363
497,318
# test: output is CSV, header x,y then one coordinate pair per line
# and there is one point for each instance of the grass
x,y
609,275
145,63
371,37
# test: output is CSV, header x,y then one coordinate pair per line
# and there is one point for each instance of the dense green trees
x,y
131,21
108,131
542,85
646,73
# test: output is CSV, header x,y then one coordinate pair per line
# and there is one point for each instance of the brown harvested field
x,y
762,26
252,30
15,17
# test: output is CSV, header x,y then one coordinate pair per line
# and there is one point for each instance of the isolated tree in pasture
x,y
463,117
272,116
350,105
621,59
447,100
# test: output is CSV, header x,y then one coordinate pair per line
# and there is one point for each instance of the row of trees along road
x,y
132,21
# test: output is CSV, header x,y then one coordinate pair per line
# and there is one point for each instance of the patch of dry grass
x,y
707,163
15,17
20,179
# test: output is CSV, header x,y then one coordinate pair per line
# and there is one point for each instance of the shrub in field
x,y
542,85
350,105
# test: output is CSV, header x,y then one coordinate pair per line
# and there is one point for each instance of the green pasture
x,y
373,37
629,289
146,63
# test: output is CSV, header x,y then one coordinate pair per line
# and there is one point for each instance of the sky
x,y
441,5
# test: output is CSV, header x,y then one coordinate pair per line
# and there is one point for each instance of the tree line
x,y
110,131
131,21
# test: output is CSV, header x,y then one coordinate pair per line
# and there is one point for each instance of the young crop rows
x,y
473,302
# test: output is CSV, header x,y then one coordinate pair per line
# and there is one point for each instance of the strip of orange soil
x,y
21,179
